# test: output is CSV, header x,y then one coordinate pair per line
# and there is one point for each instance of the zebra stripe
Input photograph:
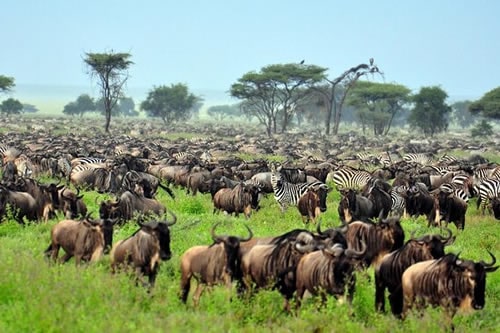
x,y
457,191
488,189
347,177
398,206
447,159
87,160
419,158
287,193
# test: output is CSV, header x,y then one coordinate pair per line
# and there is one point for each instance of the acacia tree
x,y
111,70
6,83
430,111
171,104
275,91
84,103
11,106
378,103
487,106
334,93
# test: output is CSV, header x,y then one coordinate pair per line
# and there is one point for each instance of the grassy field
x,y
38,297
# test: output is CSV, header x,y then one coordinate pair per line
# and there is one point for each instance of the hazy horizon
x,y
208,45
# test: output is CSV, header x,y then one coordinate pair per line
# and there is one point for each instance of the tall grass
x,y
36,296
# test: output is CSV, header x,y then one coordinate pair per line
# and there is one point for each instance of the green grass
x,y
38,297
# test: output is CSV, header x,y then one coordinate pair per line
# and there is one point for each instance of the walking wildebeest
x,y
450,282
329,271
388,274
145,249
211,264
85,239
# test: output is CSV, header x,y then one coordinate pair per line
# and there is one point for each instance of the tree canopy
x,y
487,106
11,106
6,83
275,91
170,103
334,92
83,104
111,70
378,103
430,111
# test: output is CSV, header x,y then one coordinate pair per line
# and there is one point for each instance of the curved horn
x,y
494,260
318,228
446,239
304,248
174,218
249,236
357,254
381,216
215,237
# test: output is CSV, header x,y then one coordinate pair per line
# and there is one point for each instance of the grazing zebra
x,y
287,193
366,158
206,157
347,177
419,158
488,189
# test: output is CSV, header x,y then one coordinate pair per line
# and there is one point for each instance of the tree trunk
x,y
108,120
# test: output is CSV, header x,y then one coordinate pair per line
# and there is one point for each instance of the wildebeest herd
x,y
376,191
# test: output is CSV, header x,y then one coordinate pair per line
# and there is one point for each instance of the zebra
x,y
347,177
458,191
419,158
488,189
182,156
287,193
87,160
398,198
385,159
447,159
481,174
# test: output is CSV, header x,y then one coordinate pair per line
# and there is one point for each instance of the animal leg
x,y
197,294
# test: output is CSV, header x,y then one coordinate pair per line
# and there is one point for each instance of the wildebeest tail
x,y
167,189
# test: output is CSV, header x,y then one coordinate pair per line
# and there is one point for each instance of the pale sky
x,y
209,44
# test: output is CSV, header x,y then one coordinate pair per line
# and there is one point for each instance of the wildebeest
x,y
273,265
388,274
380,238
329,271
22,204
450,282
240,199
354,207
144,250
128,204
312,203
85,239
495,206
210,265
450,208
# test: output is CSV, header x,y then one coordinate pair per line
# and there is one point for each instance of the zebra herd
x,y
466,180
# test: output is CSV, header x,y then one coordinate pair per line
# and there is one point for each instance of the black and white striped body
x,y
287,194
488,189
351,178
398,200
419,158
